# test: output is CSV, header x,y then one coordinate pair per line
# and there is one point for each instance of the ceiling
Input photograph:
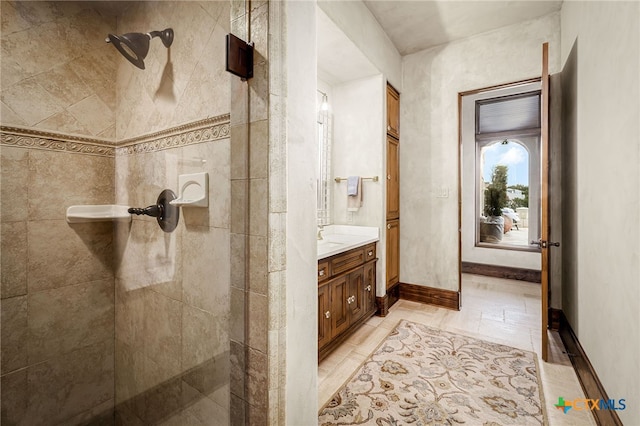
x,y
417,25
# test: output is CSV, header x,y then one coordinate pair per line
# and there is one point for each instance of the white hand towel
x,y
354,202
352,185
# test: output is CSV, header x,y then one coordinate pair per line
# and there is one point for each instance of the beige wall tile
x,y
92,113
206,268
200,410
14,398
13,259
14,334
204,336
63,84
238,260
239,152
129,373
258,317
63,387
64,319
15,178
56,81
211,378
59,180
32,113
129,315
63,122
258,264
237,363
61,255
237,315
239,214
258,207
257,382
259,149
100,415
259,89
162,333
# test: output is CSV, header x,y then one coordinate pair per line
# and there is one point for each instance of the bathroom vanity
x,y
346,286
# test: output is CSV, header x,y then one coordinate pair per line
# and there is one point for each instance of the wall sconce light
x,y
324,106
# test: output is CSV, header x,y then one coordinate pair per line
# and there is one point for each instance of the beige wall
x,y
362,28
429,143
601,177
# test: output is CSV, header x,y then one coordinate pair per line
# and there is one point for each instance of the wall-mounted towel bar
x,y
373,178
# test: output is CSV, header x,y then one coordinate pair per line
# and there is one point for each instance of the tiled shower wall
x,y
59,359
172,289
57,280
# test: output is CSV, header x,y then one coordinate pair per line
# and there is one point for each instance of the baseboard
x,y
587,376
383,305
520,274
555,318
388,300
432,296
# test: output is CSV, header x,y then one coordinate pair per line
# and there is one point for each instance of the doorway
x,y
500,175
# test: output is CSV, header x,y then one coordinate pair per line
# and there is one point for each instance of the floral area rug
x,y
424,376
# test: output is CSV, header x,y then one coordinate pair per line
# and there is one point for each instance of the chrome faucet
x,y
320,228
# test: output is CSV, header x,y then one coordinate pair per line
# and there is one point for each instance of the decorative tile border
x,y
206,130
209,129
28,138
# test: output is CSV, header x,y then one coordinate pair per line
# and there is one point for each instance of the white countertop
x,y
340,238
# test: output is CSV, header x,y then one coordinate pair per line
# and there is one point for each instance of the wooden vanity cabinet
x,y
346,295
393,112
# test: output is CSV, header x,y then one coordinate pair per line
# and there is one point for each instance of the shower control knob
x,y
153,211
166,214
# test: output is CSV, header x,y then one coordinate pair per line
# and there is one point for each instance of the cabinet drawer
x,y
323,270
346,261
369,252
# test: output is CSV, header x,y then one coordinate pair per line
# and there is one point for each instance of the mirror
x,y
324,160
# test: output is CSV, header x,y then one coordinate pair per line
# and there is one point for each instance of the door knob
x,y
544,243
327,314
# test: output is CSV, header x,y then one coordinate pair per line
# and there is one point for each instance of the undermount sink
x,y
325,243
339,238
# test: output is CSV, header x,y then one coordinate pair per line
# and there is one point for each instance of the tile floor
x,y
497,310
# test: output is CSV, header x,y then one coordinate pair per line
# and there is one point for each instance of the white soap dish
x,y
193,190
97,213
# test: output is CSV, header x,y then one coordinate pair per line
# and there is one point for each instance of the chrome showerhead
x,y
135,46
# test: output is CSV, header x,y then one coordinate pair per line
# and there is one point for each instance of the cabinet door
x,y
324,315
393,112
355,300
339,307
369,287
393,179
393,252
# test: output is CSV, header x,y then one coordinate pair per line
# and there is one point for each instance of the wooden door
x,y
393,179
393,253
393,112
339,307
544,202
324,315
355,299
